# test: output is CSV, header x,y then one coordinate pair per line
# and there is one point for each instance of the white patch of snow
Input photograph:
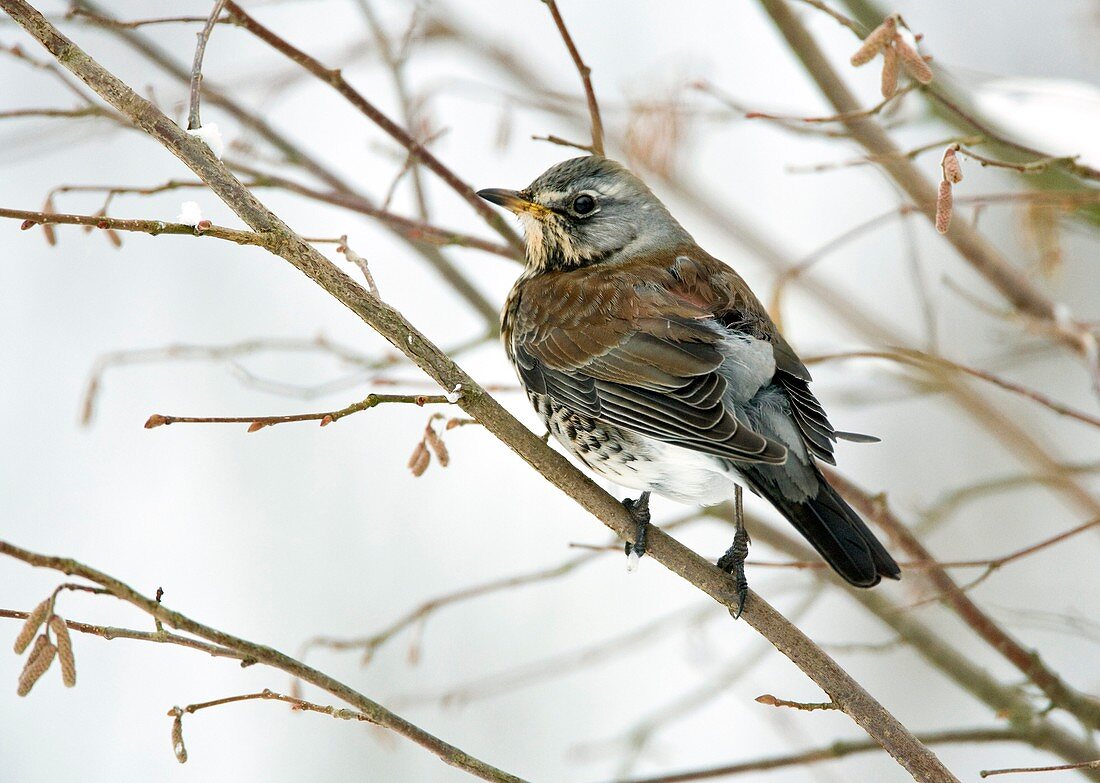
x,y
455,394
190,214
211,136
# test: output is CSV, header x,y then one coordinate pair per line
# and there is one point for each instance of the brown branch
x,y
971,245
296,155
916,358
811,706
985,773
1070,163
937,93
852,25
270,695
265,655
836,750
370,644
194,121
84,111
1031,167
1085,708
586,77
159,637
837,684
335,79
151,227
1007,701
325,417
76,12
845,117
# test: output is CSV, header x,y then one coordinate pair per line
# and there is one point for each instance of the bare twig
x,y
265,655
76,12
921,359
160,637
270,695
974,248
194,121
586,77
1085,708
846,116
325,417
335,79
152,227
835,750
812,706
985,773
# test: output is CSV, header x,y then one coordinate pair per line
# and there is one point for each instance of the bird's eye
x,y
584,204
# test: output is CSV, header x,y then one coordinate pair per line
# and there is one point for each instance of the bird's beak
x,y
513,201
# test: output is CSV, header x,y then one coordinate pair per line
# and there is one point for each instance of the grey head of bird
x,y
588,210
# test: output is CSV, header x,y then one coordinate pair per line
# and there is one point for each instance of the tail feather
x,y
834,529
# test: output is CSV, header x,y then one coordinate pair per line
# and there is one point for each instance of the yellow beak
x,y
513,202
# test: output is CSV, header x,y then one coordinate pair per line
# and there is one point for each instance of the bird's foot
x,y
639,511
733,563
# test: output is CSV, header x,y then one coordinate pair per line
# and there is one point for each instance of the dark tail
x,y
833,527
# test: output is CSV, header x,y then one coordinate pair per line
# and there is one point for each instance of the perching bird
x,y
653,363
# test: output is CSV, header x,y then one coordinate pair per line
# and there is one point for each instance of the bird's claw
x,y
733,563
639,511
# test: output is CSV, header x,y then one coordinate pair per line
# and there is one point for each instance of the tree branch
x,y
269,656
586,77
335,79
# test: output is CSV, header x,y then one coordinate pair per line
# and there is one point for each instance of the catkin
x,y
438,446
37,663
943,207
420,459
913,62
952,171
30,627
889,71
64,651
875,41
177,739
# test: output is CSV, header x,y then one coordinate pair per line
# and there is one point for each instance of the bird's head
x,y
585,211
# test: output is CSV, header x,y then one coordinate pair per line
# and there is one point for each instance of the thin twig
x,y
916,358
151,227
76,12
335,79
985,773
194,121
812,706
846,116
835,750
325,417
1085,708
160,637
269,695
263,654
586,77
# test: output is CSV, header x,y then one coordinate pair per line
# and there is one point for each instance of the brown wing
x,y
637,347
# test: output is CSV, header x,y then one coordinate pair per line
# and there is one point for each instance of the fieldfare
x,y
653,363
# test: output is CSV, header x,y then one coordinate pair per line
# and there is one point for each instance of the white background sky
x,y
295,531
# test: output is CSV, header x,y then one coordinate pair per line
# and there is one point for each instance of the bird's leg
x,y
639,510
733,562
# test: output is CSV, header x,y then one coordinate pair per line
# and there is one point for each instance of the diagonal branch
x,y
335,79
971,245
586,77
269,656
